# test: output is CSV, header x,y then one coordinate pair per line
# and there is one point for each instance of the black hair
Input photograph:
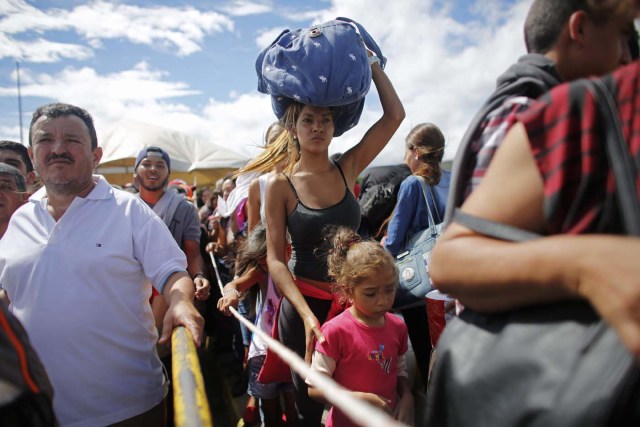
x,y
20,149
60,110
547,18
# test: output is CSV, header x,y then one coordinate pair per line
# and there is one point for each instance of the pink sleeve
x,y
331,344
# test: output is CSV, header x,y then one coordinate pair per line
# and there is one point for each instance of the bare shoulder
x,y
277,182
254,188
279,192
254,185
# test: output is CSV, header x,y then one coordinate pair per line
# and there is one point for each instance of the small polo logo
x,y
98,245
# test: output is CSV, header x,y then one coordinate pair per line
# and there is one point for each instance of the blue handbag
x,y
325,65
413,263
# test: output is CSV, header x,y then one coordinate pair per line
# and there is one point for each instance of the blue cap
x,y
152,152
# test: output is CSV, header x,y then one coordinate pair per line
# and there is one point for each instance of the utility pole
x,y
19,100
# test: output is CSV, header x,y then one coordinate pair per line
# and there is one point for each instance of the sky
x,y
190,65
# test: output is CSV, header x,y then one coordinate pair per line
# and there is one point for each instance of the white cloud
x,y
139,84
18,16
183,27
12,133
442,69
136,93
267,36
245,8
143,94
239,125
180,29
41,50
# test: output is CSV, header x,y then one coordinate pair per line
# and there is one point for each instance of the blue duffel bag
x,y
325,65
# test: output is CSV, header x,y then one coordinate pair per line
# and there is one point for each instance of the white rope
x,y
359,411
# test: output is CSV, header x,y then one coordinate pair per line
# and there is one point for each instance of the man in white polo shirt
x,y
73,264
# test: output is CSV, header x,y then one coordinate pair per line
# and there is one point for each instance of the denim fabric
x,y
411,213
264,390
325,65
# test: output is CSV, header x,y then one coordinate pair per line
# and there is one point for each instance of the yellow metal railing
x,y
190,404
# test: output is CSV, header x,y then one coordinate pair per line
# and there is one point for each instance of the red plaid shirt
x,y
567,145
493,130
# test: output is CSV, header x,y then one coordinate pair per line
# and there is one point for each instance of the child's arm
x,y
404,410
231,291
326,365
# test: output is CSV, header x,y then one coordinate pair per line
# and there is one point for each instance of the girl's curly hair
x,y
352,260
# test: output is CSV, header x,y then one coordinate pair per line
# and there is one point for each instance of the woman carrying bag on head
x,y
424,152
313,191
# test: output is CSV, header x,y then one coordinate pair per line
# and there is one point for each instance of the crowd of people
x,y
94,277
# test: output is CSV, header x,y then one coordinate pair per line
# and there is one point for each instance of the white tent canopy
x,y
192,159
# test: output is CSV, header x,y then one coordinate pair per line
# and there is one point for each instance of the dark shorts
x,y
291,329
264,390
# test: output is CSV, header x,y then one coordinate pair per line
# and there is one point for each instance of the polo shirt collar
x,y
102,190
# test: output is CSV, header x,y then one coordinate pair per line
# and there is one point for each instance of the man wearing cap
x,y
152,170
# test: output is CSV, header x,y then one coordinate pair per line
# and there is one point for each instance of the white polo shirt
x,y
78,287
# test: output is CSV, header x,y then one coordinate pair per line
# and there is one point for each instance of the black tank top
x,y
305,227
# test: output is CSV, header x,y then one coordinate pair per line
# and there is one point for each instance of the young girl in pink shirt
x,y
364,347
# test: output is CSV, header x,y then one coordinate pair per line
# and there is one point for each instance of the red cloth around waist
x,y
274,368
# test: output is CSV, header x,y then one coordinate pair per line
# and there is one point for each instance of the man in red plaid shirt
x,y
565,41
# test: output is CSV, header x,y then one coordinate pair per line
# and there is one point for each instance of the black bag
x,y
413,263
549,365
378,202
25,390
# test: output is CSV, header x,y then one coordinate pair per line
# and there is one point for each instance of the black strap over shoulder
x,y
295,193
620,161
341,173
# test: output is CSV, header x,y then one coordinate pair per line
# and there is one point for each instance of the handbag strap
x,y
493,229
620,161
425,189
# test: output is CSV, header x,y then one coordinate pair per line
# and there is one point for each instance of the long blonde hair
x,y
284,148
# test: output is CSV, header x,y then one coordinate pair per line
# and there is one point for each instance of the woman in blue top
x,y
424,151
